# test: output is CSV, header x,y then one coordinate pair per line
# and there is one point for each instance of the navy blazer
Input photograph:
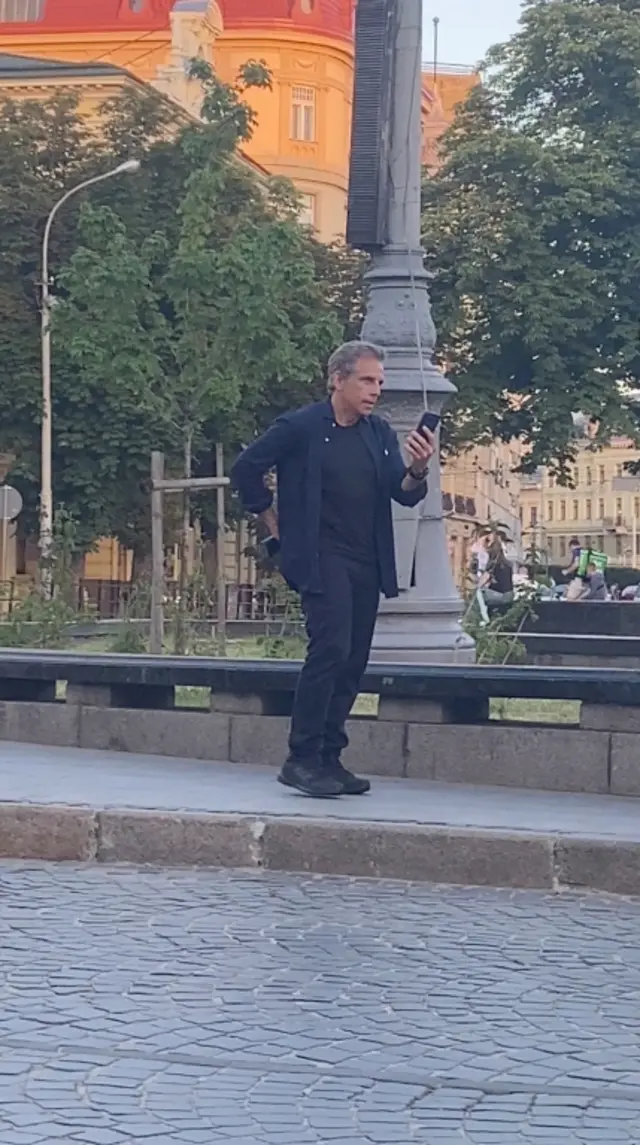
x,y
293,444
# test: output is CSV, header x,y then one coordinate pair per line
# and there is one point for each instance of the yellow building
x,y
445,86
303,121
598,510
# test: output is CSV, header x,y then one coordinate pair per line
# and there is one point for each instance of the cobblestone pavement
x,y
177,1008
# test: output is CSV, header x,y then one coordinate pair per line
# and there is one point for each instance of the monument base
x,y
413,631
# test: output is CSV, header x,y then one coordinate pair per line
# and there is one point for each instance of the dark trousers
x,y
340,623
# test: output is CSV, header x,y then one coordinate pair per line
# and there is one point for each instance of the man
x,y
595,586
338,468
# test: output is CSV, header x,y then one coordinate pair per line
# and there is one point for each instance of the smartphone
x,y
429,421
271,547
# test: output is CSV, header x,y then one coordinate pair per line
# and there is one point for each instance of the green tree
x,y
533,231
190,306
183,324
44,148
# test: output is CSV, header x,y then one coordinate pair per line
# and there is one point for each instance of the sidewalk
x,y
65,803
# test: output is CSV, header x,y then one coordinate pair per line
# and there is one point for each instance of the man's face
x,y
361,389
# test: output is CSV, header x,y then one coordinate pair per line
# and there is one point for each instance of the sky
x,y
468,27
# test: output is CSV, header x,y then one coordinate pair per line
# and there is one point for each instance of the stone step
x,y
84,806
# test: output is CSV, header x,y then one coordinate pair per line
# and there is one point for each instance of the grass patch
x,y
193,697
536,711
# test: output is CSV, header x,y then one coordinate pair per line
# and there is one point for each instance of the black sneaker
x,y
351,784
310,780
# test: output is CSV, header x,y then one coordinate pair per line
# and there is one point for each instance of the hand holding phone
x,y
420,444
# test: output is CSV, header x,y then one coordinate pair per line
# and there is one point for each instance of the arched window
x,y
21,11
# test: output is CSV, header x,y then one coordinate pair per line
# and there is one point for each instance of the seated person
x,y
595,587
497,582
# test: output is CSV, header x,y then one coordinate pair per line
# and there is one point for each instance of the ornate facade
x,y
304,121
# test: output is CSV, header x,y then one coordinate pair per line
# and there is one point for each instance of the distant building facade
x,y
598,509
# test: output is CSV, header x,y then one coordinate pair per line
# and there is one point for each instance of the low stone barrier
x,y
431,723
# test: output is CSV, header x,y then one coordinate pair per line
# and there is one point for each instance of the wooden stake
x,y
156,636
221,583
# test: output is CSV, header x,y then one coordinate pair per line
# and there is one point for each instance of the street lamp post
x,y
46,489
423,625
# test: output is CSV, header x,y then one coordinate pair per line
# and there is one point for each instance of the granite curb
x,y
415,852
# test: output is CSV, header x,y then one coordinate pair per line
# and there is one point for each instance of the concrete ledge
x,y
168,838
420,853
551,757
599,865
47,832
625,764
610,717
376,748
54,724
517,755
192,735
259,737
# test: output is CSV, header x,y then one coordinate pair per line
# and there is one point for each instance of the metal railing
x,y
428,66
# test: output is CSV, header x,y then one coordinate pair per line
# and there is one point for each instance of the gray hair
x,y
344,360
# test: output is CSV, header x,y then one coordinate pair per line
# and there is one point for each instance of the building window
x,y
588,475
307,214
21,11
575,510
303,114
618,510
619,470
618,546
638,544
601,512
534,516
587,512
562,546
550,511
587,542
636,507
563,510
552,482
602,475
550,545
601,544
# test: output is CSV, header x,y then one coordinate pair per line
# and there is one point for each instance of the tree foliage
x,y
190,304
533,230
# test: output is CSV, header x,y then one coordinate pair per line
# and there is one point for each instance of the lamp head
x,y
129,167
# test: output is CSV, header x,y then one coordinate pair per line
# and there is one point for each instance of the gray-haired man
x,y
338,469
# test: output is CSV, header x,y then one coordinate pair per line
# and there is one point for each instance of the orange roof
x,y
323,17
329,17
97,16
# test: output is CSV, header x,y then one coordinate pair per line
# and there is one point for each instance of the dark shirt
x,y
349,496
501,577
295,446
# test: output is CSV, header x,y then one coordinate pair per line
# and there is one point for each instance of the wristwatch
x,y
417,476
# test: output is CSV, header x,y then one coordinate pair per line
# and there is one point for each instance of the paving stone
x,y
170,1007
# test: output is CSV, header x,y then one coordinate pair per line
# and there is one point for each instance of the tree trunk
x,y
181,603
